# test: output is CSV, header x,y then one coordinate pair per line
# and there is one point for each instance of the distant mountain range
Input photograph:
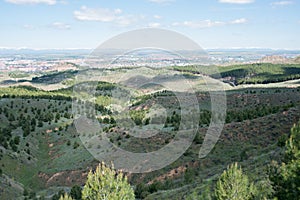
x,y
26,51
5,50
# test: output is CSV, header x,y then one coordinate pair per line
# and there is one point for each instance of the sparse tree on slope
x,y
106,184
286,177
76,192
234,185
65,197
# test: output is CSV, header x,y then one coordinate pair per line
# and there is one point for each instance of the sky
x,y
66,24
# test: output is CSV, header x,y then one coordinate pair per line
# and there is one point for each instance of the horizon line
x,y
212,48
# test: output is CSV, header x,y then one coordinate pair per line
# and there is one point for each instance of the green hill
x,y
47,155
259,73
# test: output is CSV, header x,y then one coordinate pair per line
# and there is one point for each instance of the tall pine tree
x,y
234,185
286,177
105,183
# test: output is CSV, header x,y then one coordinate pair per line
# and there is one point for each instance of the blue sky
x,y
211,23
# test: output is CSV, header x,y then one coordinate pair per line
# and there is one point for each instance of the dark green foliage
x,y
5,135
57,116
14,147
286,176
55,77
259,111
173,121
55,197
76,145
243,155
40,124
198,138
11,117
58,195
261,73
147,121
155,186
67,115
105,183
105,88
249,73
281,140
75,192
32,195
25,192
137,116
17,140
47,117
205,117
234,185
206,194
141,191
245,114
189,175
106,120
26,128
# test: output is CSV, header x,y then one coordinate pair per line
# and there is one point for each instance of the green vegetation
x,y
234,185
65,197
41,150
261,73
285,177
28,92
17,74
59,195
106,184
248,73
76,192
56,77
137,116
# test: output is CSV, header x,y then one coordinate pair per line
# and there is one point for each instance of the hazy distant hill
x,y
275,59
297,59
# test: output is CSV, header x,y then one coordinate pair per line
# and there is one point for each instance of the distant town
x,y
32,61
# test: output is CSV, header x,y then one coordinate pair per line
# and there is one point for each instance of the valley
x,y
42,152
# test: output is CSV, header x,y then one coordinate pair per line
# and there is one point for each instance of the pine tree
x,y
286,177
65,197
234,185
205,194
106,183
76,192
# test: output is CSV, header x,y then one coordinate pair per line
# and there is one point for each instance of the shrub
x,y
234,185
106,183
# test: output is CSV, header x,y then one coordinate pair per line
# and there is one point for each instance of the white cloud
x,y
161,1
100,14
28,27
208,23
198,24
125,20
154,25
239,21
104,15
157,16
237,1
281,3
49,2
118,11
60,26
